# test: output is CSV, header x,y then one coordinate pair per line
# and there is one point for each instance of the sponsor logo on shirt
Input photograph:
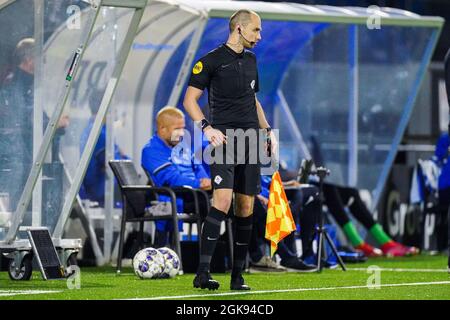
x,y
197,68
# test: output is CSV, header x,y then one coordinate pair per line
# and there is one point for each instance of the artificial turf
x,y
103,283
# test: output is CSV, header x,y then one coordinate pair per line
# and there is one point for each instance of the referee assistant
x,y
230,74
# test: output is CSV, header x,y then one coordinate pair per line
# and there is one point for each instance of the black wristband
x,y
269,141
204,123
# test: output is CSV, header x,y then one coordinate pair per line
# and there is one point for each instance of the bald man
x,y
230,74
170,163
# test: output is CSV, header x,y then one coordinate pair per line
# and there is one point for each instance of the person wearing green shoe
x,y
337,198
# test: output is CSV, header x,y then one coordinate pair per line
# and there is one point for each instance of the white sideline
x,y
361,269
400,270
289,290
6,293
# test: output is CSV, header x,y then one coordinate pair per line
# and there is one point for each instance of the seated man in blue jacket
x,y
170,163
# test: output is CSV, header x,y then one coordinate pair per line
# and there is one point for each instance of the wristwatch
x,y
269,141
204,123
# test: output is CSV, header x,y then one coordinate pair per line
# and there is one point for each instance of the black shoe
x,y
237,283
205,281
297,265
348,255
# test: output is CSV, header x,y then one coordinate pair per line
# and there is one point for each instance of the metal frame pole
x,y
354,107
137,4
93,136
5,3
109,183
38,118
431,22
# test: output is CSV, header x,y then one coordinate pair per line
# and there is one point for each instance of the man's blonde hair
x,y
241,17
168,111
24,49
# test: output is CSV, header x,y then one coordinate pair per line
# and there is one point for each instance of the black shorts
x,y
237,164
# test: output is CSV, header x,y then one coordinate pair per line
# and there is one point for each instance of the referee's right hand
x,y
215,137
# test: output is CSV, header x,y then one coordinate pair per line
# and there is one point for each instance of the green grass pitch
x,y
421,277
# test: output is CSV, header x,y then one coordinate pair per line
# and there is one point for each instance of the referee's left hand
x,y
215,137
273,144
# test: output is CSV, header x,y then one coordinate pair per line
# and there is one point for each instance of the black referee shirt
x,y
232,80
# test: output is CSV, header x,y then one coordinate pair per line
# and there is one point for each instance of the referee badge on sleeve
x,y
197,68
218,179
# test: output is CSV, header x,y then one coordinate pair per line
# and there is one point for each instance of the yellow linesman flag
x,y
279,223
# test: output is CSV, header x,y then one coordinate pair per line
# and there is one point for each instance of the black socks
x,y
210,235
243,232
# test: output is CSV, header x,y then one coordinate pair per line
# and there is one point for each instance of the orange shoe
x,y
395,249
368,250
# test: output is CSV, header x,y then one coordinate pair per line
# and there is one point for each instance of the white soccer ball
x,y
171,263
148,263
